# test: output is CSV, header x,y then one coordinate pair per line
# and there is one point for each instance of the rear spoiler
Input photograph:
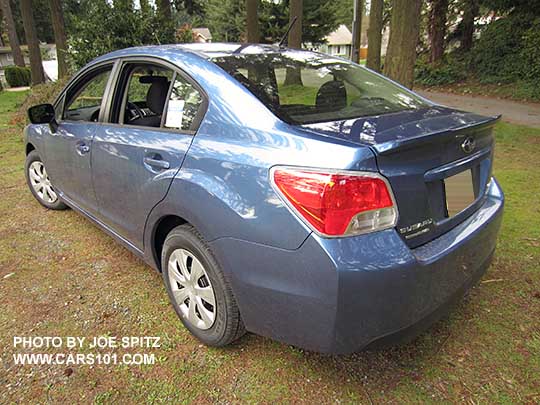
x,y
386,148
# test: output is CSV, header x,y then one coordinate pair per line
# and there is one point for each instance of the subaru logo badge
x,y
468,145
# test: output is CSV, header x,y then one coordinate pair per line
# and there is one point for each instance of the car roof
x,y
212,50
203,50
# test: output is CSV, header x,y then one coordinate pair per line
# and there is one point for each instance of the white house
x,y
201,34
338,43
48,53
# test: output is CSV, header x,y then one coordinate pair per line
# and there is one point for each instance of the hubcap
x,y
41,183
191,288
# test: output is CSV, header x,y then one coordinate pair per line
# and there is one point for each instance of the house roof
x,y
341,36
203,31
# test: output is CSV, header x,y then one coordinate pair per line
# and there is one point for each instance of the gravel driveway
x,y
512,111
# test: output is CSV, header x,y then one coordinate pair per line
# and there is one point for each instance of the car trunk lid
x,y
437,160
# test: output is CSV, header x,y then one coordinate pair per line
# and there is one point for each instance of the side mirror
x,y
43,114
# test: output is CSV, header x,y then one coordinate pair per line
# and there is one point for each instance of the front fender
x,y
35,135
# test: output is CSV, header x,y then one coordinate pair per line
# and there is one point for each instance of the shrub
x,y
184,34
528,90
447,72
17,76
530,52
497,56
40,94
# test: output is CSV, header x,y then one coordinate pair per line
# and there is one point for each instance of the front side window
x,y
85,97
304,87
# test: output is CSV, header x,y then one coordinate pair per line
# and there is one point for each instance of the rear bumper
x,y
340,295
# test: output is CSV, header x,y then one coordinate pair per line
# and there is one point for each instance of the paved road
x,y
512,111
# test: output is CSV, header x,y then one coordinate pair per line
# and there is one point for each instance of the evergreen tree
x,y
57,16
252,21
404,31
437,28
293,75
12,33
36,66
227,19
470,12
43,27
375,35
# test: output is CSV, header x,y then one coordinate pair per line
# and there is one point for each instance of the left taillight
x,y
337,203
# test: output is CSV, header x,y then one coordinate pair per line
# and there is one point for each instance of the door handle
x,y
156,163
83,148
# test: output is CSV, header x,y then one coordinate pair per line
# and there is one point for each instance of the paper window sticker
x,y
175,114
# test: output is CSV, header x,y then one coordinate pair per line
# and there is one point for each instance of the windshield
x,y
305,87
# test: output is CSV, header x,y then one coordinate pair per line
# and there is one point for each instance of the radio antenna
x,y
287,32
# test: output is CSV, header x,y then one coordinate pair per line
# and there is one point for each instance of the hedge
x,y
17,76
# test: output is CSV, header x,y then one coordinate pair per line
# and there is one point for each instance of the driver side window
x,y
84,100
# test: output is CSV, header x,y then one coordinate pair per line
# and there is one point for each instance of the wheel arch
x,y
162,227
29,148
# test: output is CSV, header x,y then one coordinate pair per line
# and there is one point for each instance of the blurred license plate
x,y
459,192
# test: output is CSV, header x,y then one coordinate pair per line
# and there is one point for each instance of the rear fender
x,y
217,210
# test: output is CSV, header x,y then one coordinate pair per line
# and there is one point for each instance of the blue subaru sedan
x,y
282,192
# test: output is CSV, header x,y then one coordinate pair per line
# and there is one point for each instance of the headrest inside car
x,y
151,79
332,96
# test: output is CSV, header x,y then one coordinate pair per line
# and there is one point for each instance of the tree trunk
x,y
470,12
167,28
401,53
357,30
296,9
375,35
293,75
437,28
146,10
12,34
57,17
189,5
164,9
252,21
36,66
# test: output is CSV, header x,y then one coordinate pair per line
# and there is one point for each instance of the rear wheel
x,y
39,183
198,290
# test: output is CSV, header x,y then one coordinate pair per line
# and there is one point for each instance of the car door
x,y
152,120
68,149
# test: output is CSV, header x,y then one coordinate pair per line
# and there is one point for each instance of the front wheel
x,y
39,183
198,290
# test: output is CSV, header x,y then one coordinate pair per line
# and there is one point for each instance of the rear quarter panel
x,y
223,187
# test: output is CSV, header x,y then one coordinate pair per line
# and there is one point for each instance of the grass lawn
x,y
61,276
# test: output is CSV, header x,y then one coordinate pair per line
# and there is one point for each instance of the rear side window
x,y
141,94
305,87
184,105
152,95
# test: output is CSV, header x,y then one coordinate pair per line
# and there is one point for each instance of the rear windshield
x,y
304,87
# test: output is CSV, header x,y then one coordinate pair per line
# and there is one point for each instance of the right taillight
x,y
338,203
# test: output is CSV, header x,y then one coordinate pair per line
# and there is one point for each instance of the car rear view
x,y
392,246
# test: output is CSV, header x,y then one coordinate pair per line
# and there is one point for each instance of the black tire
x,y
55,205
228,325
